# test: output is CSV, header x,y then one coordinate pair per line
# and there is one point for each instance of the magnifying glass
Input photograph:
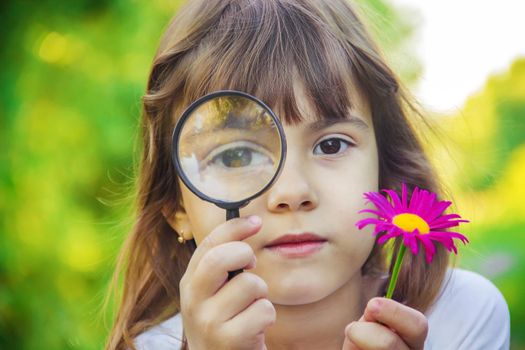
x,y
228,148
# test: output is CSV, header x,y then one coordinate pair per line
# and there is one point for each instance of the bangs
x,y
268,49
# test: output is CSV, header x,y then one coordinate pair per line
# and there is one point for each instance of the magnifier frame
x,y
175,147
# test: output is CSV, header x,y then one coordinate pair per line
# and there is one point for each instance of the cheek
x,y
358,244
341,204
204,216
352,245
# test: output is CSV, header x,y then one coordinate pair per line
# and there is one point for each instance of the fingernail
x,y
254,220
252,264
374,306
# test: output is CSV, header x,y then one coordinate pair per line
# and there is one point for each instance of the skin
x,y
295,303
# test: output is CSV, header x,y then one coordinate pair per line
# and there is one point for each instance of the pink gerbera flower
x,y
420,220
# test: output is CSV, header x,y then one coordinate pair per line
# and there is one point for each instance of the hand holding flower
x,y
387,324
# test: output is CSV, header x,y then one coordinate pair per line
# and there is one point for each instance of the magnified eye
x,y
238,155
235,157
332,145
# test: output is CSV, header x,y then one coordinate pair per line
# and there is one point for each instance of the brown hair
x,y
261,47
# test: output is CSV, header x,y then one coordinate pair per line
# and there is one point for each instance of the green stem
x,y
395,272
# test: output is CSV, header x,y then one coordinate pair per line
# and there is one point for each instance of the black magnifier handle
x,y
232,214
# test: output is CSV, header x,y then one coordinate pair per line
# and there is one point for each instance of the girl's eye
x,y
238,155
332,146
234,157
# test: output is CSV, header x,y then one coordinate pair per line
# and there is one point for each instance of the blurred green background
x,y
72,74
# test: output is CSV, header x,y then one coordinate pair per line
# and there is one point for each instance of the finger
x,y
254,320
349,345
238,294
212,272
231,230
409,323
372,335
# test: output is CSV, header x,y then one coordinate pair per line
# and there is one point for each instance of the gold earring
x,y
181,237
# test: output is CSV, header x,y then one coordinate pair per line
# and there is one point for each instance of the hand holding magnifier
x,y
228,148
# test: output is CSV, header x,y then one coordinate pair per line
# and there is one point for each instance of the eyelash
x,y
345,143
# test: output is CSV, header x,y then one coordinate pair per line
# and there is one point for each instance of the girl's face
x,y
329,165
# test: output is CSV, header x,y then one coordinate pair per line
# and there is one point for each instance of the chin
x,y
299,291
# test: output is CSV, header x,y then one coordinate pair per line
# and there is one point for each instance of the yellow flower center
x,y
409,222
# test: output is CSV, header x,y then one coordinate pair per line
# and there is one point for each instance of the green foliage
x,y
72,77
490,128
486,168
394,29
512,127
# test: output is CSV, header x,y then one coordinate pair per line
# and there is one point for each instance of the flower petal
x,y
386,237
456,235
446,241
395,199
384,226
375,212
438,209
430,249
430,203
368,221
414,200
444,218
410,241
422,203
404,195
381,203
447,224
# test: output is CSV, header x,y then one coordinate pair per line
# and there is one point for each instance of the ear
x,y
179,221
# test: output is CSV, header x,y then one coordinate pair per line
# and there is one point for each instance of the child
x,y
344,116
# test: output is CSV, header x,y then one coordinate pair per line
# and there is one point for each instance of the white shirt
x,y
469,314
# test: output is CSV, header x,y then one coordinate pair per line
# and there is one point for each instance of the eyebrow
x,y
350,119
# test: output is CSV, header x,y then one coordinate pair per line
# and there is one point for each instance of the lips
x,y
292,239
296,246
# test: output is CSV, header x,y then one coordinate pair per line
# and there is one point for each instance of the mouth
x,y
296,245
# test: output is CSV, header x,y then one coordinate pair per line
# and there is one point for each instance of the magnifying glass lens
x,y
229,148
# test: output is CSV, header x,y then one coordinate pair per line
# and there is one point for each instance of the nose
x,y
293,190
